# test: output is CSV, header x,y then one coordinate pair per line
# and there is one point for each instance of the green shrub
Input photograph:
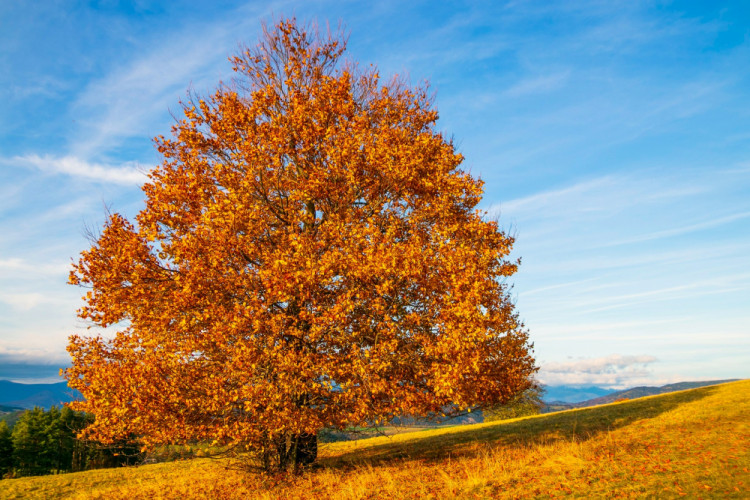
x,y
524,404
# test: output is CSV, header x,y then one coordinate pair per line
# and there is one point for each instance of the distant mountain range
x,y
573,397
27,396
573,394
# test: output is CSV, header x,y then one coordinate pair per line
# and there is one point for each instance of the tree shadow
x,y
580,425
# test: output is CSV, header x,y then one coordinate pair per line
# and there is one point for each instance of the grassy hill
x,y
693,443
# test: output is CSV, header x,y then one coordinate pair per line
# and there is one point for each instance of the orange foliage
x,y
309,256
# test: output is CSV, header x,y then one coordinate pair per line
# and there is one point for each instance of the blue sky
x,y
613,137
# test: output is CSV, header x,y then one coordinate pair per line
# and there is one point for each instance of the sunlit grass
x,y
693,443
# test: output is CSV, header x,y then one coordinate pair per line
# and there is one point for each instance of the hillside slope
x,y
694,443
10,415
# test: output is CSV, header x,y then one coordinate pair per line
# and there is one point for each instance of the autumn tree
x,y
309,256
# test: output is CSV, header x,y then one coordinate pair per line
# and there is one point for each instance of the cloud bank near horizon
x,y
615,371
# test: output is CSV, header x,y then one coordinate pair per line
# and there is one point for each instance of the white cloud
x,y
14,354
11,264
607,364
22,301
15,268
613,370
133,100
129,173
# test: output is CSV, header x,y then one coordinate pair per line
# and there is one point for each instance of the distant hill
x,y
573,394
30,395
639,392
10,415
559,404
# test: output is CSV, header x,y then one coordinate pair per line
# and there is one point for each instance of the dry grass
x,y
693,443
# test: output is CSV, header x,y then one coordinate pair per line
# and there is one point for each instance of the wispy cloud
x,y
596,329
26,267
128,173
605,195
537,84
673,294
557,287
133,100
724,256
604,297
709,224
543,203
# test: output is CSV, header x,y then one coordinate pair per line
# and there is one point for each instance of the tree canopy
x,y
310,255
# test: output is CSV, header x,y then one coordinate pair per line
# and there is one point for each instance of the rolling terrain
x,y
693,443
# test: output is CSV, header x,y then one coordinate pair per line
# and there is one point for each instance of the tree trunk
x,y
294,452
306,449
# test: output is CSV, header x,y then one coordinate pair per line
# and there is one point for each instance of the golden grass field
x,y
693,443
